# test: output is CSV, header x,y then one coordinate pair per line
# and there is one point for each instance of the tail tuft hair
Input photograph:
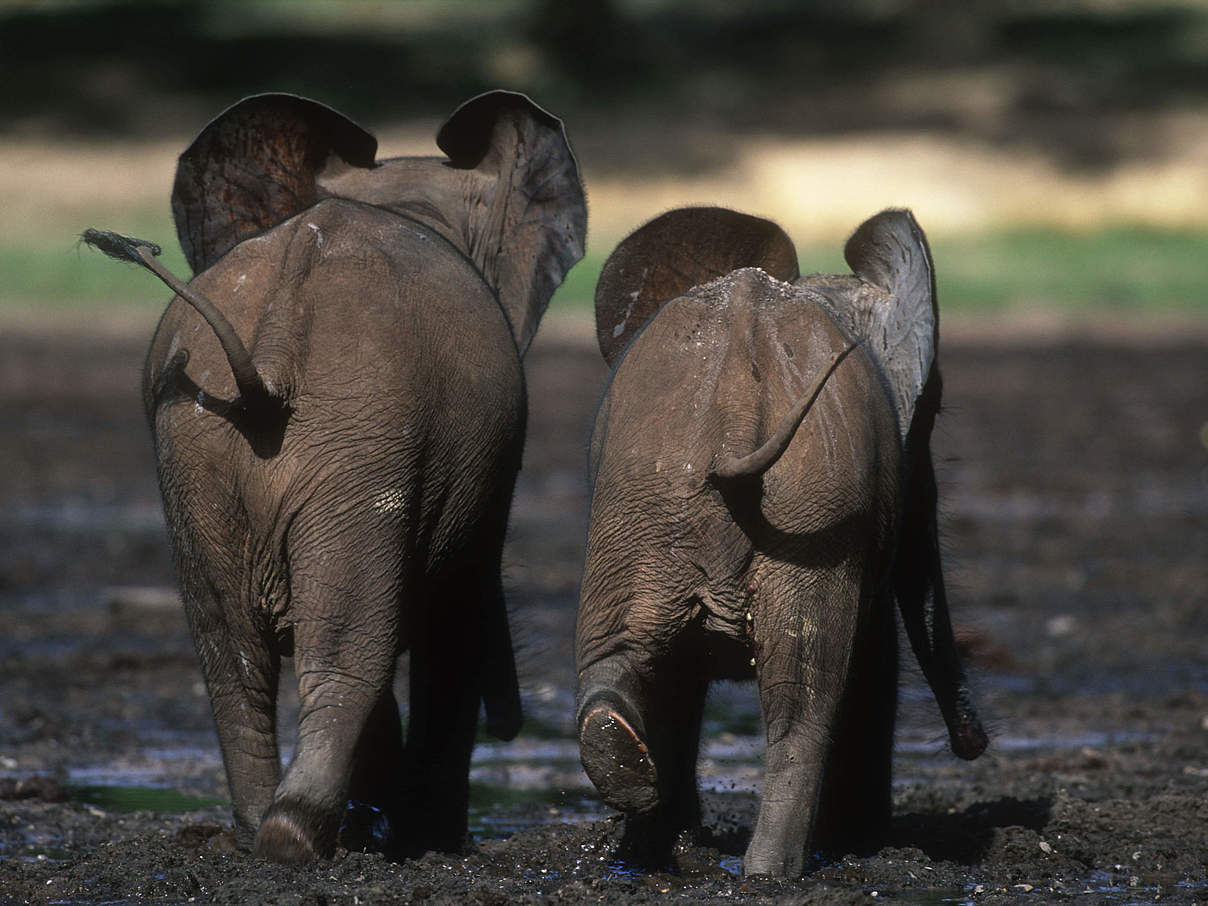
x,y
115,245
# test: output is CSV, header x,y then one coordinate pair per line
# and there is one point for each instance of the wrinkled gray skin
x,y
762,491
349,501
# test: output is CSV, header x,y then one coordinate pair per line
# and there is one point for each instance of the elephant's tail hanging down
x,y
254,392
731,467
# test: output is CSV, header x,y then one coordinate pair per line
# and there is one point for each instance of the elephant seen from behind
x,y
762,491
338,409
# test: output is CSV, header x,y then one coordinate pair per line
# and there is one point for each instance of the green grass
x,y
53,268
1118,269
140,798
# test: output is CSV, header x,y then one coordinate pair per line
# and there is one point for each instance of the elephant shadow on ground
x,y
965,837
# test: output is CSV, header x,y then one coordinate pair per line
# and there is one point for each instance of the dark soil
x,y
1075,481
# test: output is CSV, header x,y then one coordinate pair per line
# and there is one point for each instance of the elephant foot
x,y
287,837
617,761
367,828
653,842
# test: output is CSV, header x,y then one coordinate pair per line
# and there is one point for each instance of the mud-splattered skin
x,y
786,573
714,375
361,510
344,540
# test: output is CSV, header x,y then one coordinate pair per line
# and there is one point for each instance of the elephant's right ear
x,y
254,166
896,310
675,252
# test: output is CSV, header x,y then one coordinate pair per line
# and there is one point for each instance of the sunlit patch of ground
x,y
816,187
820,188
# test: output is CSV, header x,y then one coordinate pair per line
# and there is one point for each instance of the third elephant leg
x,y
346,638
855,806
377,789
447,660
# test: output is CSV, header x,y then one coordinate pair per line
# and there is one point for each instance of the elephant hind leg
x,y
376,790
677,709
802,668
855,806
345,646
613,743
639,741
241,671
304,819
616,759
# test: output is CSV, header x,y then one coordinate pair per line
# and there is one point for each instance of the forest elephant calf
x,y
338,408
762,491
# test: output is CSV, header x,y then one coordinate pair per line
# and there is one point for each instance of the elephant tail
x,y
254,391
732,468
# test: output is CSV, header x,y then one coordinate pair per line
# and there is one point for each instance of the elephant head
x,y
785,422
507,196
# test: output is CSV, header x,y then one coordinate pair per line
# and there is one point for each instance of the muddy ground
x,y
1075,480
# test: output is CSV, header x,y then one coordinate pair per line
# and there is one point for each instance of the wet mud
x,y
1074,475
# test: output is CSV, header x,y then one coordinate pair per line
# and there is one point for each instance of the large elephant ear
x,y
896,308
254,166
675,252
527,223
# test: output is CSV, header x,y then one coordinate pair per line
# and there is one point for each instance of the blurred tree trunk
x,y
587,40
953,31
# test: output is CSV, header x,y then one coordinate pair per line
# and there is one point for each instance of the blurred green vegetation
x,y
140,798
83,70
1119,268
64,273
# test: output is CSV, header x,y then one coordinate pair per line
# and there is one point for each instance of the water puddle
x,y
139,799
498,812
78,517
934,897
181,761
732,865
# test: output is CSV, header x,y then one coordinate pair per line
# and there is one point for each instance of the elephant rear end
x,y
752,461
691,577
360,525
355,507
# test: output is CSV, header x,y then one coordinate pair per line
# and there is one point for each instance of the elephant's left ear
x,y
896,311
255,166
528,221
674,252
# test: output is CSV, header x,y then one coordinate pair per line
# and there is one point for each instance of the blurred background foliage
x,y
1050,147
